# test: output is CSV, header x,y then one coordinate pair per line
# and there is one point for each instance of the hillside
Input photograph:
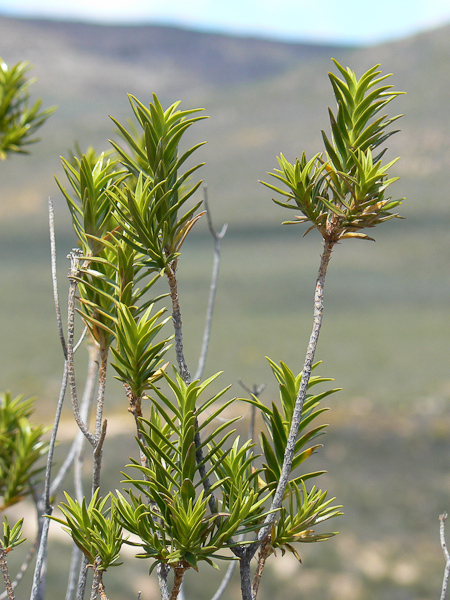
x,y
263,97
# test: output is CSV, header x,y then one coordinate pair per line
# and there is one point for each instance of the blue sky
x,y
337,21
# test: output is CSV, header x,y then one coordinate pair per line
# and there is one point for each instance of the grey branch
x,y
225,581
298,409
442,520
74,257
177,323
217,237
76,447
51,221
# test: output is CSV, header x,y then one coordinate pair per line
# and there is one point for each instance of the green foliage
x,y
90,178
94,528
149,211
11,537
21,447
137,357
18,120
304,511
174,522
278,424
342,191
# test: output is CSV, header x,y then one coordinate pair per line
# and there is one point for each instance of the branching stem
x,y
280,491
442,520
217,237
177,324
74,257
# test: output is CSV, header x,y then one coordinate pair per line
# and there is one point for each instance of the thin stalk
x,y
177,324
6,577
82,578
217,237
97,455
185,374
23,569
162,572
39,570
225,581
77,444
263,555
442,520
297,414
101,390
51,222
100,424
74,570
74,257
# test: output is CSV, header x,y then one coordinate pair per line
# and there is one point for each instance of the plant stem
x,y
298,409
179,572
246,580
22,570
225,581
100,424
51,222
177,324
217,237
442,520
264,553
74,257
5,573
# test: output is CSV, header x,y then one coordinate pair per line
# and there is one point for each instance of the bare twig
x,y
217,237
23,569
225,581
246,580
41,558
74,257
162,572
298,409
256,391
51,220
249,551
442,520
6,577
177,324
264,553
74,570
86,403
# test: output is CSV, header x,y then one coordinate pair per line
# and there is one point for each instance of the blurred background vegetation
x,y
386,333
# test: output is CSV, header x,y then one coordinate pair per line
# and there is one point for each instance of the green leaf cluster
x,y
94,528
18,120
12,537
137,356
342,191
174,522
303,511
90,178
149,211
278,423
21,447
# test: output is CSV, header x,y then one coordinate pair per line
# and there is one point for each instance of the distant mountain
x,y
263,97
